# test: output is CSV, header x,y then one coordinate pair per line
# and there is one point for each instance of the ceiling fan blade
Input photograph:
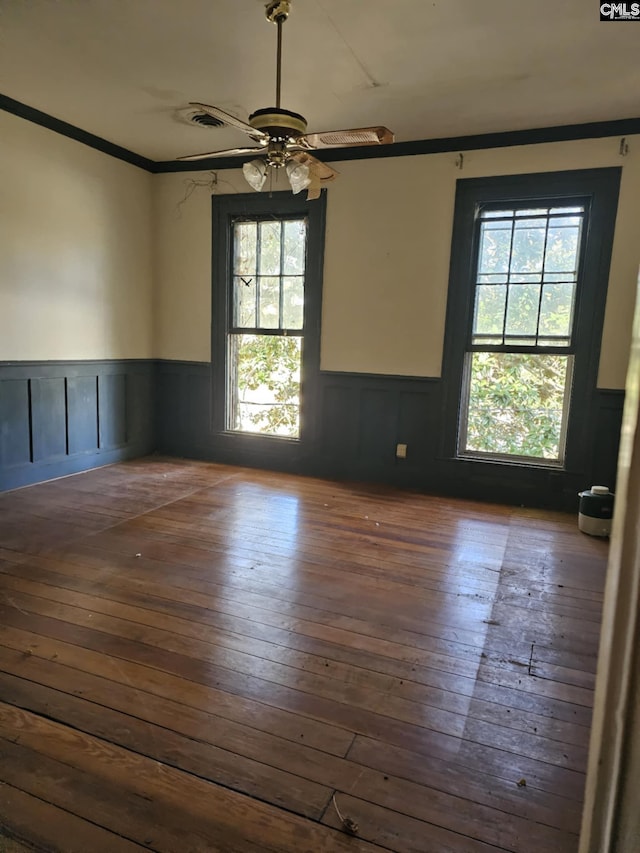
x,y
227,152
320,171
348,138
230,120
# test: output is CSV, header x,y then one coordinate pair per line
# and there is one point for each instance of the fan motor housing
x,y
278,123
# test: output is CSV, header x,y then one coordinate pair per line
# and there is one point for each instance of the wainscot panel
x,y
60,417
610,404
183,402
363,419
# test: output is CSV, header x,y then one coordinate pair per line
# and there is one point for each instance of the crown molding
x,y
17,108
473,142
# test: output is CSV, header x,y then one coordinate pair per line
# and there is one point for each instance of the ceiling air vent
x,y
205,120
193,116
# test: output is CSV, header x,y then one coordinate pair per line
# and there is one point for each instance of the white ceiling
x,y
425,68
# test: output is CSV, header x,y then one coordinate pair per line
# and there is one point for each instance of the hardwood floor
x,y
195,657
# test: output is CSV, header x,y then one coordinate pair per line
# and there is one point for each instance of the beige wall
x,y
99,259
76,255
387,256
182,233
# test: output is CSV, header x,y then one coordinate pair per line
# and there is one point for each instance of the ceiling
x,y
121,69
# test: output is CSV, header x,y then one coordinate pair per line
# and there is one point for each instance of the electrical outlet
x,y
401,451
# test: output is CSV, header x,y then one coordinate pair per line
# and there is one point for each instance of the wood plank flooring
x,y
195,657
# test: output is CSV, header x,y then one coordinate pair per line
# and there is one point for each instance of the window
x,y
265,335
528,283
519,363
266,299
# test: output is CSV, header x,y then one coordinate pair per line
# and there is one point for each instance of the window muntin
x,y
265,334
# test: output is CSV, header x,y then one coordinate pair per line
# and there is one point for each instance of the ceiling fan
x,y
281,137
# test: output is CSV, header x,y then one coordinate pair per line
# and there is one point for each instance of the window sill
x,y
256,437
558,467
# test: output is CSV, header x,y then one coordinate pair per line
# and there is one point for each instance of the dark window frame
x,y
225,211
601,188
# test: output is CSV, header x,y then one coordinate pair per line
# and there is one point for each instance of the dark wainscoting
x,y
362,418
60,417
606,440
183,409
184,424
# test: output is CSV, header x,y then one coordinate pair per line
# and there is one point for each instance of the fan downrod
x,y
277,12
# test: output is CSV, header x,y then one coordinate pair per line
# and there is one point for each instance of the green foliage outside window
x,y
268,377
516,403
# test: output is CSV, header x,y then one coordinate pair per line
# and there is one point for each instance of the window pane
x,y
245,236
489,313
522,310
516,404
269,314
565,221
295,241
562,249
528,245
494,341
293,302
535,211
270,248
244,289
493,278
559,276
526,278
553,342
264,384
494,214
525,341
556,310
495,245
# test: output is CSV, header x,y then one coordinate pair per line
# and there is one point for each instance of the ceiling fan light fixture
x,y
281,135
255,173
299,176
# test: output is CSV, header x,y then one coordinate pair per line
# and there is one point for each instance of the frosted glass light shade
x,y
298,175
255,173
